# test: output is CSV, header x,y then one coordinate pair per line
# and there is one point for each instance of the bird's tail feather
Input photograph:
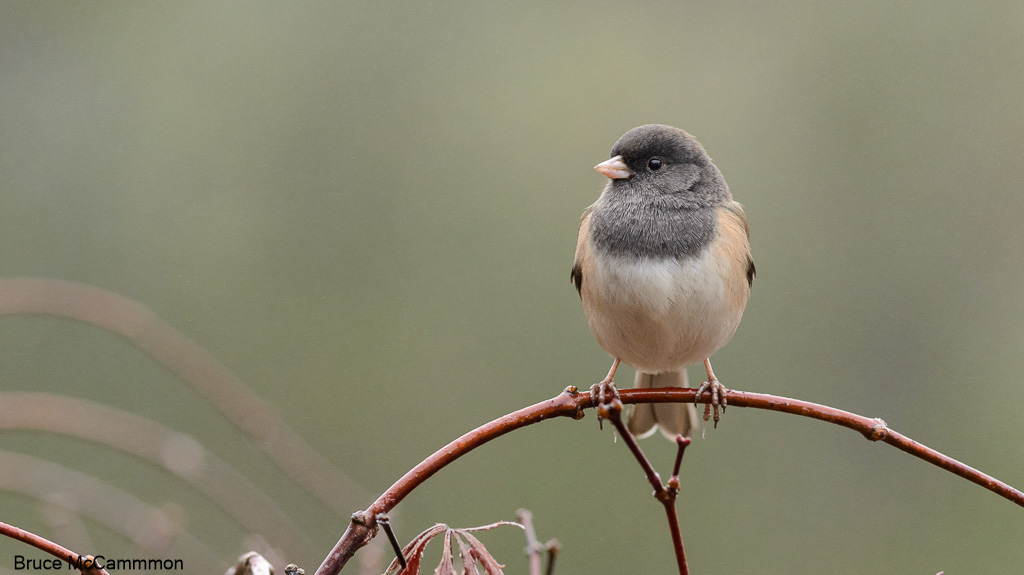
x,y
670,418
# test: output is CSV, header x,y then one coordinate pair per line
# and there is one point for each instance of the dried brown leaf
x,y
447,565
482,555
468,562
471,552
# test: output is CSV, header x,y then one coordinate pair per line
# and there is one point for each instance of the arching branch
x,y
87,562
572,403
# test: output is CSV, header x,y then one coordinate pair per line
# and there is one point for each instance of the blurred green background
x,y
368,212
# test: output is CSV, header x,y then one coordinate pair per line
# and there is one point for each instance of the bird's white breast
x,y
660,314
659,285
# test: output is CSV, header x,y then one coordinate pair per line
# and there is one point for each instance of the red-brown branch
x,y
52,548
664,494
572,403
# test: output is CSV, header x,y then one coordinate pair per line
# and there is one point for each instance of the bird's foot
x,y
603,392
599,391
604,396
718,398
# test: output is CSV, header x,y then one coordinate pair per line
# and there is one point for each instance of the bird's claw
x,y
599,392
602,394
718,398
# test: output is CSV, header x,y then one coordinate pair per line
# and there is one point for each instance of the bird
x,y
664,269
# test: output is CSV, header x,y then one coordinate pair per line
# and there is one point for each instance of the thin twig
x,y
683,443
554,547
666,495
385,522
573,403
533,546
53,549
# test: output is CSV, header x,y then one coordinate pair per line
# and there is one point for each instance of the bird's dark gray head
x,y
661,196
659,159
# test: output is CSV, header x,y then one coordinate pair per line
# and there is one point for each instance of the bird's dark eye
x,y
654,164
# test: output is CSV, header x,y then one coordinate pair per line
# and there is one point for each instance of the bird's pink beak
x,y
614,168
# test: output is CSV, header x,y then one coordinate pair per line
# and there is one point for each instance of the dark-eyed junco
x,y
663,267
